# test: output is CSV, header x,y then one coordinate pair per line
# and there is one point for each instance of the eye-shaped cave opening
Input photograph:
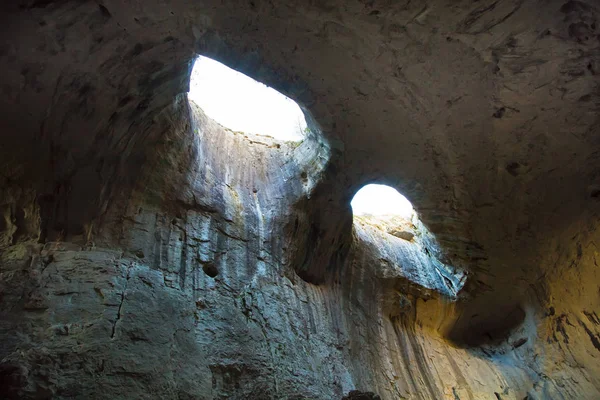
x,y
382,200
384,206
242,104
402,248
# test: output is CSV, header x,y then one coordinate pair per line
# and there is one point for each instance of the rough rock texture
x,y
146,252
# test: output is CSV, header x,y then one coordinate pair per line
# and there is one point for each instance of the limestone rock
x,y
146,252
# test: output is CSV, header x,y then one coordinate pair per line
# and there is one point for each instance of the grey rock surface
x,y
147,252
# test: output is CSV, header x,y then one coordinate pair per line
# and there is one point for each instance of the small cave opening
x,y
242,104
381,200
385,222
385,207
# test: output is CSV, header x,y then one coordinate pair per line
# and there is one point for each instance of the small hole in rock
x,y
499,112
513,168
210,270
381,200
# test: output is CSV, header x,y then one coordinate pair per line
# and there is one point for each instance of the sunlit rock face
x,y
404,250
147,252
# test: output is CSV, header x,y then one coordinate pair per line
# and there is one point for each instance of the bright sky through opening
x,y
240,103
381,200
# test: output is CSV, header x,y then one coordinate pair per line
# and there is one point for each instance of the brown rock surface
x,y
146,252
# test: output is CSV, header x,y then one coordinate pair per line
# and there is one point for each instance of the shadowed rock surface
x,y
148,252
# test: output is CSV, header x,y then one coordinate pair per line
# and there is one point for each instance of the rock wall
x,y
147,252
192,260
187,290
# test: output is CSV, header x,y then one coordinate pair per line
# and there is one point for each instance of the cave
x,y
149,251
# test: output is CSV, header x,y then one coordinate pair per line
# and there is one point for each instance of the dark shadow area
x,y
491,329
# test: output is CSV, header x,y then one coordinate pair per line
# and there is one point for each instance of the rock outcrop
x,y
148,252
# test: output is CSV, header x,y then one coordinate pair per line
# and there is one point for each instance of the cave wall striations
x,y
186,288
187,291
148,252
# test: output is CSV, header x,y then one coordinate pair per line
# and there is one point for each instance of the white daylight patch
x,y
240,103
381,200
